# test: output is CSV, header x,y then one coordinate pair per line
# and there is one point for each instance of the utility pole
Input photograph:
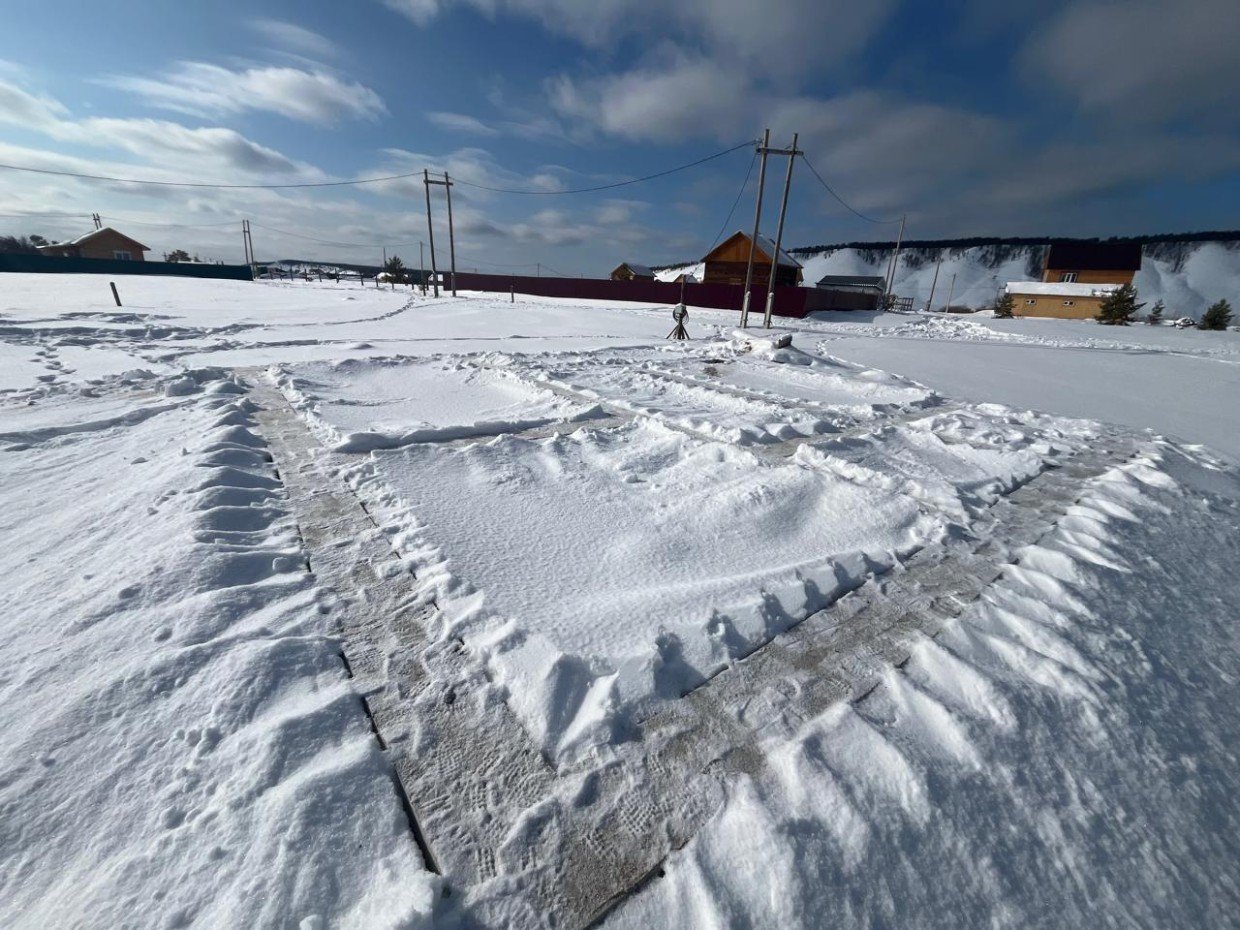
x,y
792,154
891,267
98,222
537,269
247,242
757,219
430,229
935,282
422,265
950,293
385,256
447,184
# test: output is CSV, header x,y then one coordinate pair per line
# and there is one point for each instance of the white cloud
x,y
1143,60
460,122
676,97
201,89
214,150
789,38
293,38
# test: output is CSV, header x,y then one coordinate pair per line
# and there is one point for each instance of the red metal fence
x,y
789,301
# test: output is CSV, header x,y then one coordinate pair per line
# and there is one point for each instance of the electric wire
x,y
842,201
361,181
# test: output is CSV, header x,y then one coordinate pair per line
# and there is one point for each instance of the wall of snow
x,y
1187,276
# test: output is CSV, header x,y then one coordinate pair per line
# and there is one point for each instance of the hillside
x,y
1187,272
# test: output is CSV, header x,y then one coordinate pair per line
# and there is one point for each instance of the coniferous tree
x,y
1217,317
396,268
1156,313
1120,306
1005,307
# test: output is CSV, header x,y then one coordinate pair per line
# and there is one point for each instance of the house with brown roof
x,y
99,243
727,262
631,271
1092,262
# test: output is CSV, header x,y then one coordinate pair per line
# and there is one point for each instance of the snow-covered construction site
x,y
340,606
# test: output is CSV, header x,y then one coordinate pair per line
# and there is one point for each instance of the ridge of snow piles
x,y
366,405
182,745
1061,755
603,570
750,394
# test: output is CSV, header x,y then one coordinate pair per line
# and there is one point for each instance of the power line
x,y
606,187
360,181
842,201
739,194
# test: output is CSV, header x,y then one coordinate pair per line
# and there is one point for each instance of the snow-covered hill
x,y
1187,276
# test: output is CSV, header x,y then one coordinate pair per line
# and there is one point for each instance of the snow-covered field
x,y
604,523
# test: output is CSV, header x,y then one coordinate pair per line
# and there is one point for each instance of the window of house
x,y
123,255
1031,301
1069,303
1068,277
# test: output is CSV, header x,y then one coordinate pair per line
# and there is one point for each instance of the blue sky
x,y
1056,117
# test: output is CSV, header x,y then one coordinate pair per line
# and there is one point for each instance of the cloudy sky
x,y
1031,117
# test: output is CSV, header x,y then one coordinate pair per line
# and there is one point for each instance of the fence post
x,y
115,296
512,293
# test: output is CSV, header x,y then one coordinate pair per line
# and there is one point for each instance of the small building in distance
x,y
727,262
1068,300
629,271
99,243
852,292
1092,263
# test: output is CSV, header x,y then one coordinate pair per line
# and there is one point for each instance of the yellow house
x,y
1064,300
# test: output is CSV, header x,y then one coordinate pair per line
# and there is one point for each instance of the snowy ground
x,y
605,522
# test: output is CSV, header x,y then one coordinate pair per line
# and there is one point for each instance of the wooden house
x,y
1066,300
99,243
727,262
1092,263
630,271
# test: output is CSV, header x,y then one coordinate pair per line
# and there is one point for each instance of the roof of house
x,y
764,244
1094,256
1060,289
852,280
83,239
642,271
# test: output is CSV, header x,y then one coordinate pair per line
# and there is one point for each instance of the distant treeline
x,y
972,242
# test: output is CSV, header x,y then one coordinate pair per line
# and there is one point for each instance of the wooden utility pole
x,y
792,154
430,229
891,267
247,242
935,282
950,293
757,220
446,183
422,265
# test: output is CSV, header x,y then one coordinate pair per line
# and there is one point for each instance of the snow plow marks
x,y
526,834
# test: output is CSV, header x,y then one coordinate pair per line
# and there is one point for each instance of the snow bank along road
x,y
516,615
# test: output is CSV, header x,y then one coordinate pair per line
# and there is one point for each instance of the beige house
x,y
1063,299
631,271
99,243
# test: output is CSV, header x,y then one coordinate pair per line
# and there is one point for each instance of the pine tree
x,y
1120,307
1156,313
1217,317
396,268
1005,307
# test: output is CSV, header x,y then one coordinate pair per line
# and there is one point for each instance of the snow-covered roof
x,y
1060,288
768,246
763,243
642,271
852,280
86,237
